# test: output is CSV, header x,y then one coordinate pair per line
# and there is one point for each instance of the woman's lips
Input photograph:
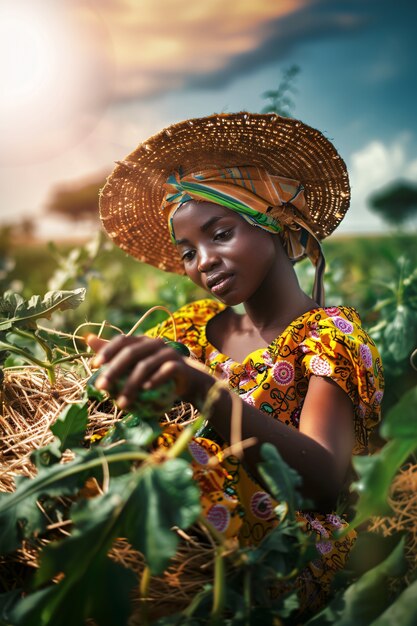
x,y
222,285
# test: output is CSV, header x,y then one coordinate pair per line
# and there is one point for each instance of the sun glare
x,y
26,56
55,78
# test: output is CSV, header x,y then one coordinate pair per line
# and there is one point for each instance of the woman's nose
x,y
207,260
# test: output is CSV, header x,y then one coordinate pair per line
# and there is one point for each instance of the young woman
x,y
233,201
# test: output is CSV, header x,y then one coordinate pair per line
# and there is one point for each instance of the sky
x,y
83,82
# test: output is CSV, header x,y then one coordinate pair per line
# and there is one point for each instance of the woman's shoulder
x,y
320,321
342,324
333,314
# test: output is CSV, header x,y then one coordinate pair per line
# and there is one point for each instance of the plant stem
x,y
143,594
219,588
185,437
29,357
34,337
71,469
247,594
71,357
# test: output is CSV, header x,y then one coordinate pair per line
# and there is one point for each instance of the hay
x,y
403,501
30,406
190,569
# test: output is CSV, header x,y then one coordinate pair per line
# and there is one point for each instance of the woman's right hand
x,y
146,363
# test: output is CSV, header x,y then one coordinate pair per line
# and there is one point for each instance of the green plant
x,y
19,333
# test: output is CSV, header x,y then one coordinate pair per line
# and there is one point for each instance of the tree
x,y
281,103
27,227
396,203
77,201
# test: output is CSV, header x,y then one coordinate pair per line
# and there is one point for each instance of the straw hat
x,y
131,199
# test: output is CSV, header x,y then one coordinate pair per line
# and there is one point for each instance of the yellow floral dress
x,y
323,342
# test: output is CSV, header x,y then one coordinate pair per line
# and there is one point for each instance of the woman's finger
x,y
170,370
145,370
108,350
97,344
126,359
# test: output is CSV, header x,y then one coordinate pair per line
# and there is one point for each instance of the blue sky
x,y
129,68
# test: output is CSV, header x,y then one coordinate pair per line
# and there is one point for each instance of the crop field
x,y
97,525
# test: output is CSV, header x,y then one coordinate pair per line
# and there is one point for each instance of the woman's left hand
x,y
145,363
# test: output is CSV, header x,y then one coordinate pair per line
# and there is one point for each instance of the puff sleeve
x,y
336,346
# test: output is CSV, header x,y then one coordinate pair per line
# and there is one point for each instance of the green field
x,y
376,275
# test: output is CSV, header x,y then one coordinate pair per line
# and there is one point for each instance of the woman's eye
x,y
188,255
223,234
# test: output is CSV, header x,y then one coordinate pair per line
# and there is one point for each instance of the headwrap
x,y
273,203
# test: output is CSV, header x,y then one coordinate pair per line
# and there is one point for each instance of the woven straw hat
x,y
131,199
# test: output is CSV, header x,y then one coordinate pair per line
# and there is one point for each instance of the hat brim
x,y
131,199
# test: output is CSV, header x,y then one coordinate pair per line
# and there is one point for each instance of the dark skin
x,y
240,263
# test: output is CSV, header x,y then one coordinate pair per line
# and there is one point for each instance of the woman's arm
x,y
320,450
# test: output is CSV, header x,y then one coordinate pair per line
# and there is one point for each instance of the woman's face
x,y
222,252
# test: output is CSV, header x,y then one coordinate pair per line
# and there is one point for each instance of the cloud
x,y
371,168
378,164
163,45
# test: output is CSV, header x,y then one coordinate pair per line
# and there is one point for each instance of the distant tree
x,y
76,201
27,227
396,203
7,233
280,102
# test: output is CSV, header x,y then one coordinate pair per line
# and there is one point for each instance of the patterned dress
x,y
326,342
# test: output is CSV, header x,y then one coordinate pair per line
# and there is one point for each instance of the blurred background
x,y
83,82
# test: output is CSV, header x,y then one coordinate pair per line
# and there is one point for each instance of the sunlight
x,y
54,78
27,54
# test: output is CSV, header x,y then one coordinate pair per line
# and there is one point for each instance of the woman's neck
x,y
277,302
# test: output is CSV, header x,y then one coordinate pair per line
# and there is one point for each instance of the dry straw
x,y
31,406
403,502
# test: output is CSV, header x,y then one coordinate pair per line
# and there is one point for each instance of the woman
x,y
233,201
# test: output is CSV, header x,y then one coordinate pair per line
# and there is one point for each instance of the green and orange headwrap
x,y
273,203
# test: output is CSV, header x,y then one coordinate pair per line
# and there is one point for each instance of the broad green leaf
x,y
166,496
142,434
401,421
366,598
376,473
27,611
102,592
368,551
70,425
402,612
142,506
112,605
397,332
281,479
96,522
25,313
48,455
20,516
10,302
8,601
92,392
